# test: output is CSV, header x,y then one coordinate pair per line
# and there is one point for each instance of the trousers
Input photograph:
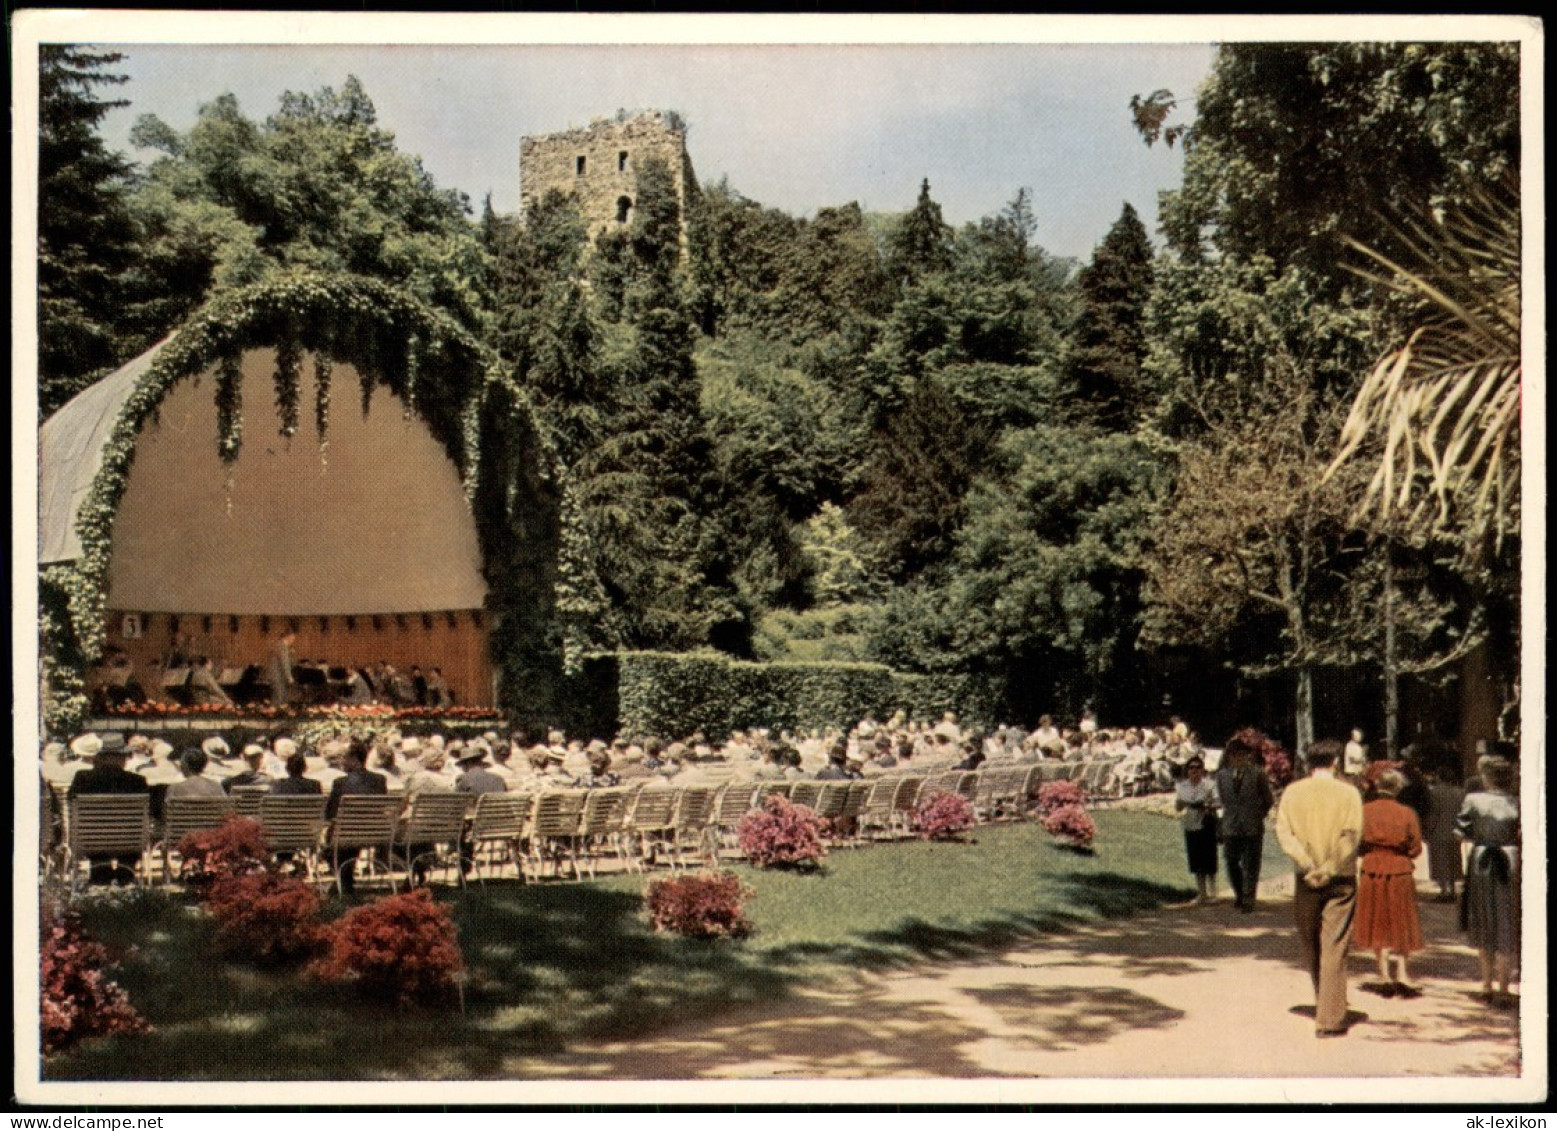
x,y
1324,927
1243,865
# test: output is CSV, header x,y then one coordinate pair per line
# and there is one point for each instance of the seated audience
x,y
192,762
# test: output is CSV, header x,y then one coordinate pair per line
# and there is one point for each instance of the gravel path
x,y
1185,992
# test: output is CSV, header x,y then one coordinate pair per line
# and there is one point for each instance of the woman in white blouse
x,y
1195,799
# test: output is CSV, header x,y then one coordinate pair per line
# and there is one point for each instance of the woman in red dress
x,y
1386,894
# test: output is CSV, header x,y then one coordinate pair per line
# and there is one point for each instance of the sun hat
x,y
216,747
475,752
86,745
285,748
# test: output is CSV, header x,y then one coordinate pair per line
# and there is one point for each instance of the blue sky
x,y
797,127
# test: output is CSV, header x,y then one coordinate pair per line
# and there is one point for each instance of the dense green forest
x,y
872,436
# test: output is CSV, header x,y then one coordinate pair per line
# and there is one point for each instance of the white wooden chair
x,y
694,814
431,833
905,801
109,826
554,830
500,821
363,821
735,801
184,815
600,827
878,811
651,824
293,825
246,799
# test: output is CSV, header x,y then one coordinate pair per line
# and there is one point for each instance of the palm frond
x,y
1440,414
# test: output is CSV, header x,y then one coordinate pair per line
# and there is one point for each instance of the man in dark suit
x,y
1245,792
108,776
358,779
296,783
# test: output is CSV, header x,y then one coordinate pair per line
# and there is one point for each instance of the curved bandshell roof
x,y
375,522
70,454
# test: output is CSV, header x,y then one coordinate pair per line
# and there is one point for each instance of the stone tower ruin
x,y
598,165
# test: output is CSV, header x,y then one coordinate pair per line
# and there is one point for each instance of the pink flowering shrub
x,y
782,834
78,998
1054,795
236,847
706,906
402,948
1267,752
943,816
1071,825
265,917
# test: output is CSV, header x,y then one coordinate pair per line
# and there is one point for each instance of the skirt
x,y
1200,847
1386,917
1489,903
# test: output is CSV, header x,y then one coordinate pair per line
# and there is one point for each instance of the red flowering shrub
x,y
782,834
402,948
1267,752
236,847
265,917
706,906
943,816
1070,824
1053,795
78,998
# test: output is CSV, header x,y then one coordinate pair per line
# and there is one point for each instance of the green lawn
x,y
556,963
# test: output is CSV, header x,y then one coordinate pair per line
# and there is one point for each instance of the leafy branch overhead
x,y
1151,114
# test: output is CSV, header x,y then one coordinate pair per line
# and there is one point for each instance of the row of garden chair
x,y
640,825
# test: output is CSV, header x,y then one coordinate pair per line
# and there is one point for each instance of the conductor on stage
x,y
278,670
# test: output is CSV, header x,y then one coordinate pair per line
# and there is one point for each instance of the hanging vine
x,y
322,370
229,408
470,436
367,382
412,364
289,384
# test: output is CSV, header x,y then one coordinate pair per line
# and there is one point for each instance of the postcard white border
x,y
32,27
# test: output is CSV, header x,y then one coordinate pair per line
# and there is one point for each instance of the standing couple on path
x,y
1230,808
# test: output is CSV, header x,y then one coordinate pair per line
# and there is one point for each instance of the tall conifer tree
x,y
85,237
1110,335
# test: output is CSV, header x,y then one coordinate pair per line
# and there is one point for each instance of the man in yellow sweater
x,y
1319,825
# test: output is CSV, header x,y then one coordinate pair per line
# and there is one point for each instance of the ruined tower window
x,y
621,161
580,166
624,209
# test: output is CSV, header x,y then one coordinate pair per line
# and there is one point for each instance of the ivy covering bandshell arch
x,y
448,379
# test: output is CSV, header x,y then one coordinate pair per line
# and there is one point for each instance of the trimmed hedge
x,y
673,694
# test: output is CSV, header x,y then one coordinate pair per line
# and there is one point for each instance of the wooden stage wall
x,y
455,641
